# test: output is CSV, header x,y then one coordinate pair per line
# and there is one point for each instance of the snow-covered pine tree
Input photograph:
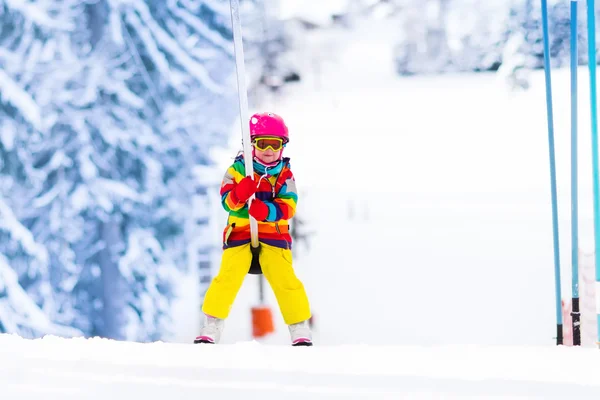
x,y
477,33
133,94
27,37
483,36
269,47
19,313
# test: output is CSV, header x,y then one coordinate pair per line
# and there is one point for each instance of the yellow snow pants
x,y
276,264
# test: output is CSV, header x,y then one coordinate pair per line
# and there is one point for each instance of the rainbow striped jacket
x,y
278,191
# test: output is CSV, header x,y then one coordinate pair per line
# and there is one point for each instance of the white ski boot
x,y
211,330
301,334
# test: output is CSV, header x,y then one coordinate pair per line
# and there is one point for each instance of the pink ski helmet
x,y
268,124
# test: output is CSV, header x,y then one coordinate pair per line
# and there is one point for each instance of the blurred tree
x,y
269,47
109,105
439,36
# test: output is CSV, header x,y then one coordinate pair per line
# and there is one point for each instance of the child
x,y
275,203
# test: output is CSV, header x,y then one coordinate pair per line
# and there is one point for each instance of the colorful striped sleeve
x,y
233,175
284,205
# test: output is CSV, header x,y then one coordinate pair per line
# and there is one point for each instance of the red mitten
x,y
259,210
244,189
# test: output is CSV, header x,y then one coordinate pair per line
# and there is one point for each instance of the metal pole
x,y
559,321
575,314
591,26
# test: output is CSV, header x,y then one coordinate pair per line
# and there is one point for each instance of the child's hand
x,y
259,210
245,189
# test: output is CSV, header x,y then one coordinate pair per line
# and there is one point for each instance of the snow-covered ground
x,y
96,369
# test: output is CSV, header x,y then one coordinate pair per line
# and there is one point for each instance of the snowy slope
x,y
430,197
98,369
444,235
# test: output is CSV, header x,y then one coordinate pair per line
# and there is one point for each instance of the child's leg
x,y
277,268
224,288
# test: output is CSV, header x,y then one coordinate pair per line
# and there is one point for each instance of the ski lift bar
x,y
243,101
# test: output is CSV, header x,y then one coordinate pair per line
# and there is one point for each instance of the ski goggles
x,y
265,143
